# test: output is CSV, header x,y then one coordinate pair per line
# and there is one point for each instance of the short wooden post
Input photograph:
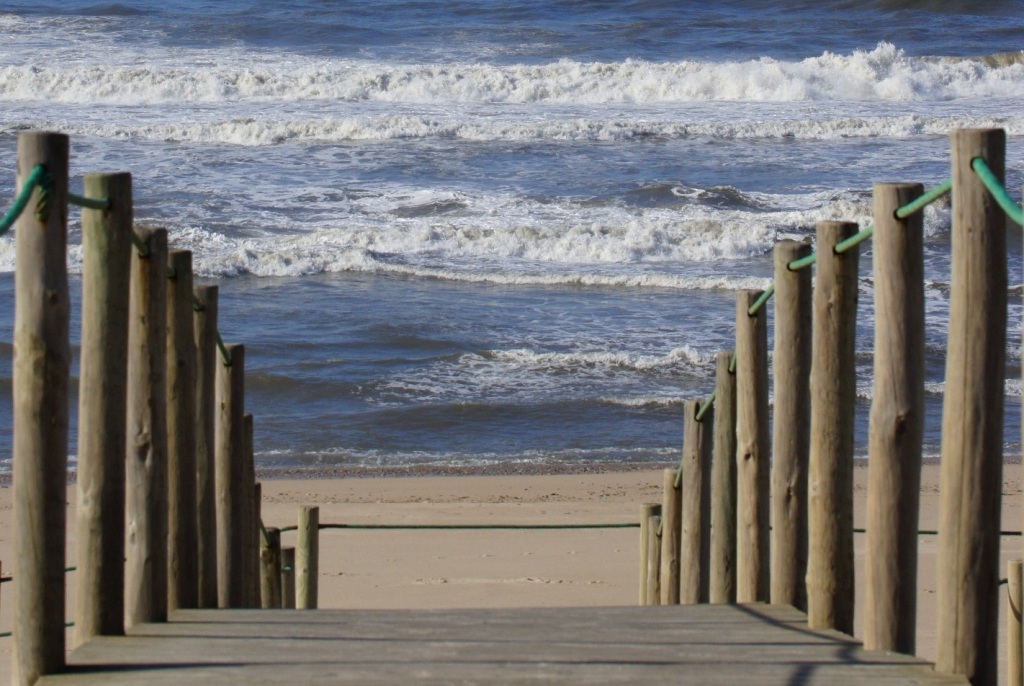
x,y
654,559
833,394
791,426
752,445
106,255
695,552
1014,633
307,558
146,470
250,525
972,419
41,364
270,566
183,523
207,360
896,424
229,478
258,543
671,534
647,510
723,485
288,578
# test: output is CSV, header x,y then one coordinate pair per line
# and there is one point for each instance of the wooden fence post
x,y
723,485
41,365
671,535
752,460
307,558
183,523
270,578
833,394
695,552
256,529
896,423
647,510
229,478
207,361
288,578
1014,633
972,418
654,559
106,255
791,426
146,469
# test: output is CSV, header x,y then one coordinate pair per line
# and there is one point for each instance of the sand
x,y
473,568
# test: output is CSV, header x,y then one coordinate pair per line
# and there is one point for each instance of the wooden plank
x,y
698,644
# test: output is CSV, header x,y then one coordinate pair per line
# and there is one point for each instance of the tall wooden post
x,y
723,485
972,418
671,534
647,510
146,468
654,559
897,423
695,553
307,558
106,255
833,394
270,570
791,426
183,562
251,553
752,460
230,478
41,364
256,595
207,361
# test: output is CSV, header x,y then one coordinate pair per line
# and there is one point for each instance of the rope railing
x,y
469,527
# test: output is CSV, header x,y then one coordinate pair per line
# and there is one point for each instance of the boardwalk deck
x,y
701,644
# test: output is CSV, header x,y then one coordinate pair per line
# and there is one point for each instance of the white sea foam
x,y
683,357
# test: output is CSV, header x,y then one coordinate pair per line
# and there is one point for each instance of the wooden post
x,y
972,418
106,255
207,361
288,578
251,542
897,423
307,558
654,559
1014,633
146,469
229,478
647,510
723,485
183,523
671,534
270,578
833,394
791,426
256,595
41,364
752,460
695,552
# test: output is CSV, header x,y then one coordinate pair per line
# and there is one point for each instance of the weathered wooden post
x,y
647,510
251,542
972,418
791,426
183,522
671,534
256,599
896,424
207,361
230,477
1014,633
723,485
270,565
41,364
146,468
833,394
307,558
695,551
288,578
106,255
752,459
654,559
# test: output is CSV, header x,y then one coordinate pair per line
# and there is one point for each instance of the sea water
x,y
478,232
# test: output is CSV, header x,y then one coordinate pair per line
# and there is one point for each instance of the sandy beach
x,y
503,568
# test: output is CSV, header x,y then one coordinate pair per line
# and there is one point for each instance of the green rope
x,y
467,527
797,265
927,199
853,241
761,300
224,354
21,201
997,190
89,203
139,244
707,405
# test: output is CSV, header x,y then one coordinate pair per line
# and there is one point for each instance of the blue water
x,y
458,233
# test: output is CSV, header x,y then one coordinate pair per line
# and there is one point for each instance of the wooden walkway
x,y
700,644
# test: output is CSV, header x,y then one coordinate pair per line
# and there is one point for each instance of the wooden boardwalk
x,y
701,644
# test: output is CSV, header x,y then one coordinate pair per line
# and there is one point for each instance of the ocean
x,y
480,233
